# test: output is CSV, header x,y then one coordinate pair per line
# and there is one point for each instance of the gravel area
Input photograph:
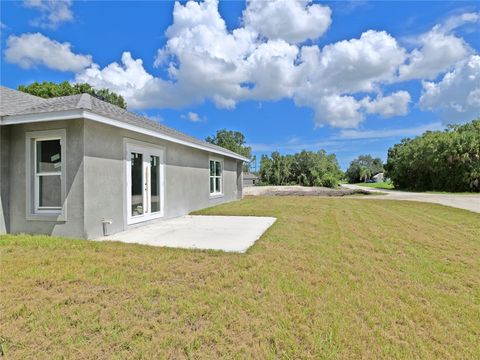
x,y
300,191
469,202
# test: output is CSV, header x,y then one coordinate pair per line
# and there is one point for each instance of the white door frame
x,y
146,150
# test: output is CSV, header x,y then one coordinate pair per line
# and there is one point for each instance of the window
x,y
216,173
48,174
45,170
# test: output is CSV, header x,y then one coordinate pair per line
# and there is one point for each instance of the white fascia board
x,y
41,117
78,114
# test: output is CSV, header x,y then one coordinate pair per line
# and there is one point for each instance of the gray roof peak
x,y
17,103
13,101
85,102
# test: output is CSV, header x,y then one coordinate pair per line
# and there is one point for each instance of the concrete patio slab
x,y
226,233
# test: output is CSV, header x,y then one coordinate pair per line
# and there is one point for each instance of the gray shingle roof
x,y
12,101
17,103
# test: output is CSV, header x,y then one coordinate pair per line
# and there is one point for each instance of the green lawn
x,y
379,185
389,186
333,278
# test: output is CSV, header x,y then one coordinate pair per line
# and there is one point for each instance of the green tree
x,y
234,141
306,168
371,166
446,160
365,173
48,89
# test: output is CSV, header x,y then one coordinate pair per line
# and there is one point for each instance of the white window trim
x,y
151,149
220,193
33,210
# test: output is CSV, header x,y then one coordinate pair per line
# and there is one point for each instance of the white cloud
x,y
153,117
439,50
329,77
388,106
291,20
456,97
128,79
348,112
339,111
341,141
456,21
342,82
206,61
53,12
192,116
29,50
389,133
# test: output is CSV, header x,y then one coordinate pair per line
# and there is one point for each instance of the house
x,y
250,179
75,165
378,177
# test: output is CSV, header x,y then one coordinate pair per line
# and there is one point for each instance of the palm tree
x,y
365,173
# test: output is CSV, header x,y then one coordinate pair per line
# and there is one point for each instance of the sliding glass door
x,y
144,183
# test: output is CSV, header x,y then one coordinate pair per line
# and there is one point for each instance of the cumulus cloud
x,y
29,50
439,49
456,97
329,77
388,106
347,112
192,116
206,61
127,78
291,20
343,82
53,12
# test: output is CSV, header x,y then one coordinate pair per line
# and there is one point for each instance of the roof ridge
x,y
85,101
23,93
100,107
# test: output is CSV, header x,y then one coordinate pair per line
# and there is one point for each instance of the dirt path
x,y
300,191
461,201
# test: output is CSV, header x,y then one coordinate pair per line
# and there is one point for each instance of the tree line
x,y
48,90
446,160
363,168
306,168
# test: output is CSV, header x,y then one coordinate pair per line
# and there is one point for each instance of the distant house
x,y
69,165
378,177
250,179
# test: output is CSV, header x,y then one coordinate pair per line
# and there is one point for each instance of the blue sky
x,y
348,77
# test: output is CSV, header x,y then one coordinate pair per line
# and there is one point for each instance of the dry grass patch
x,y
333,278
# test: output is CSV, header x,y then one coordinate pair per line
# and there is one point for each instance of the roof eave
x,y
85,114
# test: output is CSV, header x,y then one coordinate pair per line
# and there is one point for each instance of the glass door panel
x,y
145,184
137,184
154,183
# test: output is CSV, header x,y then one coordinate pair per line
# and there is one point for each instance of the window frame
x,y
216,193
34,210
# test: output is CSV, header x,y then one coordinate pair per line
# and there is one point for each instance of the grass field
x,y
378,185
389,186
333,278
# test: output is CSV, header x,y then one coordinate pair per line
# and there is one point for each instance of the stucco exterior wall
x,y
4,179
18,222
96,178
186,177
